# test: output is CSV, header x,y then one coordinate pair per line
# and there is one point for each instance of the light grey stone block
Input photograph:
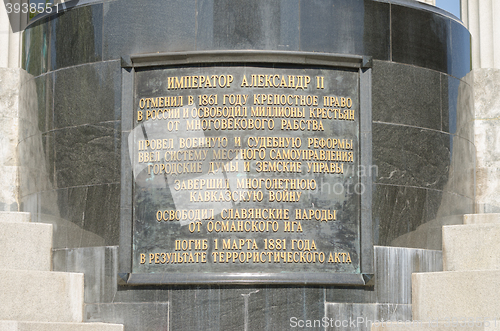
x,y
471,247
10,80
456,325
456,294
14,216
482,218
487,138
25,246
54,326
41,296
487,179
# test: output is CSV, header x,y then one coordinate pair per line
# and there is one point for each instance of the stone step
x,y
471,247
452,325
482,218
41,296
14,216
25,246
51,326
456,294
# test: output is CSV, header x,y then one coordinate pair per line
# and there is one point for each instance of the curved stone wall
x,y
71,102
422,110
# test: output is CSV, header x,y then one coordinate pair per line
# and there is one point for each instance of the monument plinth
x,y
232,164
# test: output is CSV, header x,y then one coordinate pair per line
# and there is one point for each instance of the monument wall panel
x,y
242,169
77,172
398,88
76,37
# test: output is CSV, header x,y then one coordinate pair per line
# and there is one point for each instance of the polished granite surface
x,y
72,133
81,149
396,31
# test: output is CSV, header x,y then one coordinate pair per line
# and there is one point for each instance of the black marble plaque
x,y
246,173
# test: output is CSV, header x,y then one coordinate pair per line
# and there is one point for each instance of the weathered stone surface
x,y
54,326
471,247
455,294
9,124
13,216
487,138
25,246
41,296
